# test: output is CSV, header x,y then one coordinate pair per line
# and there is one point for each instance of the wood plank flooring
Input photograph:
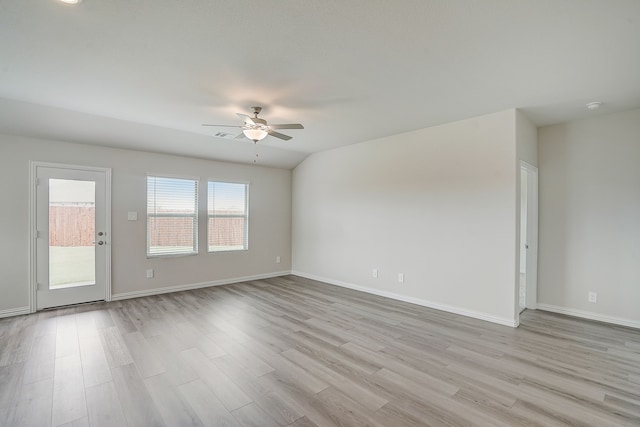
x,y
293,352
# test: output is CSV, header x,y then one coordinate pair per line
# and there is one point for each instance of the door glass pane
x,y
71,233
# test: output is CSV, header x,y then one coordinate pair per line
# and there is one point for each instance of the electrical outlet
x,y
277,260
593,297
401,277
375,273
150,273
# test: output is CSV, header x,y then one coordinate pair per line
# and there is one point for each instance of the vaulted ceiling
x,y
146,74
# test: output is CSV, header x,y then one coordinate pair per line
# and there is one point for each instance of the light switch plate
x,y
132,216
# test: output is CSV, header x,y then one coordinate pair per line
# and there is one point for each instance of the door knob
x,y
100,243
100,233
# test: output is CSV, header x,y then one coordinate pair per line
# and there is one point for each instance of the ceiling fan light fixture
x,y
71,1
255,134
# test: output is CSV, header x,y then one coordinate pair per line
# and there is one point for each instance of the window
x,y
228,216
172,216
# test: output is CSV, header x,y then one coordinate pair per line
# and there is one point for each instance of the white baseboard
x,y
15,311
589,315
442,307
177,288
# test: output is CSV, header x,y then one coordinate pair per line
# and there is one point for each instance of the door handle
x,y
100,243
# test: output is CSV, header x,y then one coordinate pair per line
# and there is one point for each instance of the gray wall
x,y
269,216
438,205
526,140
590,217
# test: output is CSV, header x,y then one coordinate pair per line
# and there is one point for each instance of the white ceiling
x,y
145,74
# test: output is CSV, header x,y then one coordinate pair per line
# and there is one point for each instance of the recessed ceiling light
x,y
594,105
71,1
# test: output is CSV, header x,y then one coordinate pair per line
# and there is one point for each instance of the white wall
x,y
526,140
269,217
438,205
590,217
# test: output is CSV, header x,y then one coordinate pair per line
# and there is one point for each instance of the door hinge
x,y
37,181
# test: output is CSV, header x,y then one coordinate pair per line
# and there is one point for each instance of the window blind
x,y
172,216
228,216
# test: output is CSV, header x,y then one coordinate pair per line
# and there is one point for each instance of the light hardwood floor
x,y
293,352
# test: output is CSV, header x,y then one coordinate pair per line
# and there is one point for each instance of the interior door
x,y
524,245
72,244
528,268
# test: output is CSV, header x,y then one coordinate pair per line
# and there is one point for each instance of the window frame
x,y
245,216
194,216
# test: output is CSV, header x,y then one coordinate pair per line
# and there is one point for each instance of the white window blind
x,y
228,222
172,216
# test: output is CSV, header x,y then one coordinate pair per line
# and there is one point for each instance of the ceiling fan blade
x,y
226,135
287,126
246,119
280,135
226,126
240,136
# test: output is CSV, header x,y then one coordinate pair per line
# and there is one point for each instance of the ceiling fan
x,y
256,128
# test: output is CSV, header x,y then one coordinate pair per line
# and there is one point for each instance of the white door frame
x,y
532,237
33,169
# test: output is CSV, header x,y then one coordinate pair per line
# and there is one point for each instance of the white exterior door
x,y
72,235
